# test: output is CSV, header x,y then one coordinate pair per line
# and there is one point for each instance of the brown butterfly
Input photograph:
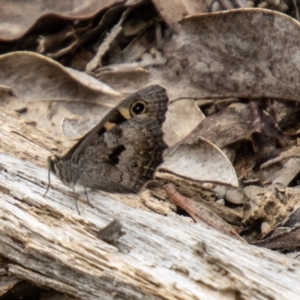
x,y
122,152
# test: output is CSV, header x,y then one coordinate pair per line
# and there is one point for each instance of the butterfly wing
x,y
120,153
124,158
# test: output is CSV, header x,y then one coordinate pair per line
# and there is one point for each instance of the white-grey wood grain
x,y
160,257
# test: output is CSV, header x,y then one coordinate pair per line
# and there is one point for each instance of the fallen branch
x,y
159,257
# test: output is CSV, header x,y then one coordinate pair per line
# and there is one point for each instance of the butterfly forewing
x,y
122,152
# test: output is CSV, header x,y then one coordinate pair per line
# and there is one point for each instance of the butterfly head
x,y
55,166
61,168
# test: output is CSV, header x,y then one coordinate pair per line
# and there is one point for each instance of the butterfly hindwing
x,y
128,156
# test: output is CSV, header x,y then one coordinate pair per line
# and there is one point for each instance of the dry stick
x,y
257,126
199,213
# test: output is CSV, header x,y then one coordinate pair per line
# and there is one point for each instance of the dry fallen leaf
x,y
173,11
226,127
223,55
200,161
51,94
181,118
227,55
18,17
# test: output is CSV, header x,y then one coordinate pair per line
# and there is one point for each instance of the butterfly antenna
x,y
49,182
26,138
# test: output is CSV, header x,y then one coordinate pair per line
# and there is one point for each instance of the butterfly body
x,y
122,152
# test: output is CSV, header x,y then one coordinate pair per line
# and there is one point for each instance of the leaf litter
x,y
233,120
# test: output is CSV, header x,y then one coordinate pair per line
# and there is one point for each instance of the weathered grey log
x,y
160,257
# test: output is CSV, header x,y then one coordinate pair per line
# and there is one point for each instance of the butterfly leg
x,y
48,185
87,198
76,199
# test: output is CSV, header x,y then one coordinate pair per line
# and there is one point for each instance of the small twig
x,y
257,126
199,213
